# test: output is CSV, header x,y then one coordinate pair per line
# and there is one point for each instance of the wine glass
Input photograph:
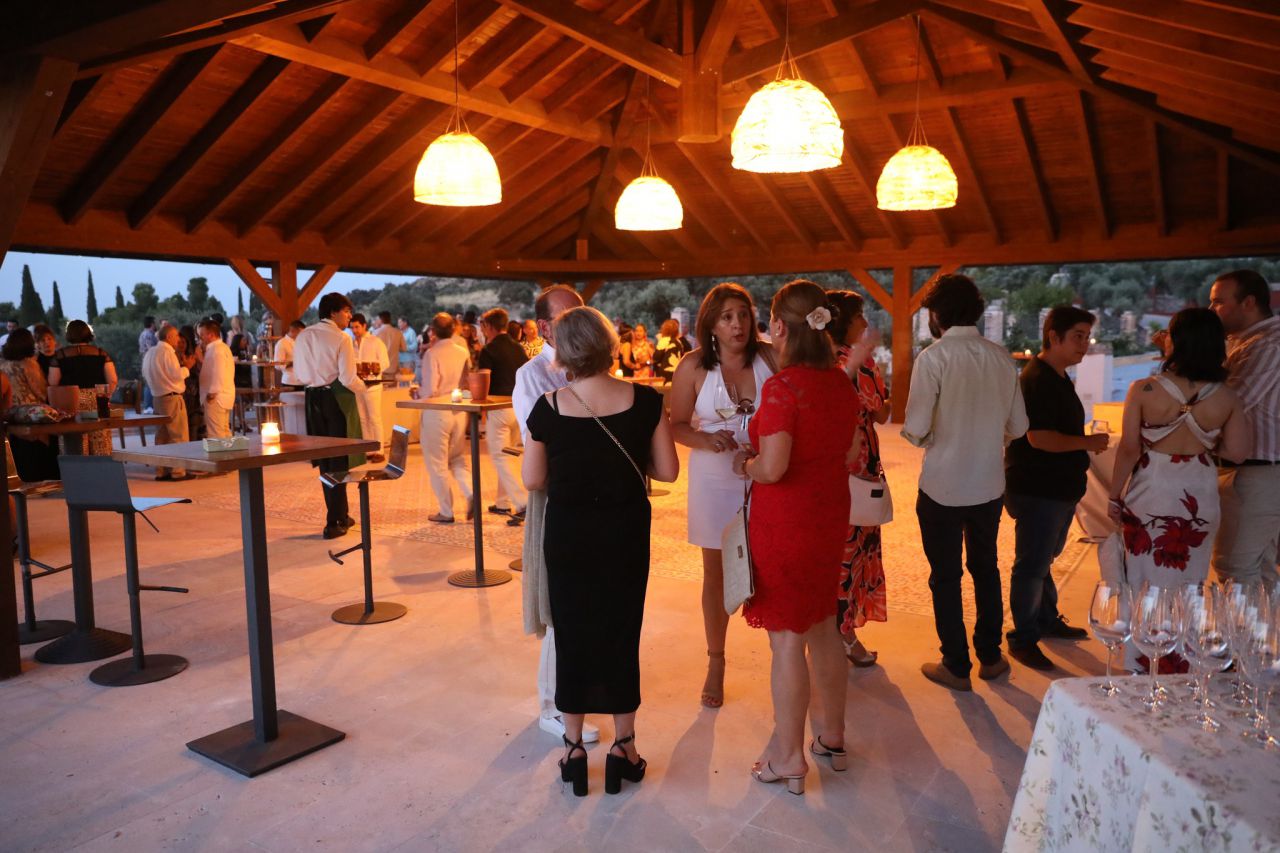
x,y
1263,654
725,404
1188,593
1204,642
1155,633
1110,617
1246,602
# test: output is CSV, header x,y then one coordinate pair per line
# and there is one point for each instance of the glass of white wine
x,y
1204,643
1111,618
1155,633
725,404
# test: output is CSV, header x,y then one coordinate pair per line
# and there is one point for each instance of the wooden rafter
x,y
204,140
873,288
895,135
1217,102
928,60
395,30
1048,18
665,159
1093,160
472,18
595,204
964,157
515,37
315,283
83,93
1130,30
1212,69
918,295
856,164
623,45
1249,29
1026,146
567,184
390,72
555,208
1224,192
785,210
832,204
694,155
257,285
717,36
628,170
155,104
1160,210
293,125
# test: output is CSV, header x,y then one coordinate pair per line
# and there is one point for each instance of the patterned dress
x,y
862,596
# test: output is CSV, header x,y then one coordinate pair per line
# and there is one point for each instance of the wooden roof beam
x,y
293,125
874,289
811,39
628,170
664,157
1049,18
625,46
1224,192
918,295
1259,31
567,184
1129,31
1160,210
928,60
315,283
392,73
498,51
83,93
1027,153
188,160
595,204
257,285
980,30
832,204
563,232
785,210
474,17
857,165
1093,160
394,31
565,203
1262,84
964,157
694,154
936,216
717,36
157,102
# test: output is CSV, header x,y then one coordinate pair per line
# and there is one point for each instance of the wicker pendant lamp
x,y
918,176
457,169
788,125
648,203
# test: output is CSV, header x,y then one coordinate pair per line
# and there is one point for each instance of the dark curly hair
x,y
955,300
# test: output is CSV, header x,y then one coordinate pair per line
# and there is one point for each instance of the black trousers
x,y
943,530
325,417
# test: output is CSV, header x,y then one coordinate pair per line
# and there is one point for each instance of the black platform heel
x,y
574,769
619,767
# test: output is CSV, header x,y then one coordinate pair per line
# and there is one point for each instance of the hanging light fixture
x,y
457,169
788,125
648,203
918,176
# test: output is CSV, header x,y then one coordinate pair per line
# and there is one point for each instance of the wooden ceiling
x,y
289,131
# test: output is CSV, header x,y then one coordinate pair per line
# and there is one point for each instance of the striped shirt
x,y
1253,366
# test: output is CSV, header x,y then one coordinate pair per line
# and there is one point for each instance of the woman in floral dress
x,y
1164,488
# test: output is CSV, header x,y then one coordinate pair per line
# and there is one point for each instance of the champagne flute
x,y
1204,641
1155,633
1111,617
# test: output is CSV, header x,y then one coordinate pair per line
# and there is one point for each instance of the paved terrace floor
x,y
442,749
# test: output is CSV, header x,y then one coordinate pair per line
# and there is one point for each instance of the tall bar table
x,y
273,737
471,579
86,641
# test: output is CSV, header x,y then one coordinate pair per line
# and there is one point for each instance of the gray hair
x,y
585,342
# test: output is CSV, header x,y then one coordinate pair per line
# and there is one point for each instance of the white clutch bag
x,y
735,558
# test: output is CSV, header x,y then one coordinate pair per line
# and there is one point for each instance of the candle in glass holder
x,y
270,433
455,396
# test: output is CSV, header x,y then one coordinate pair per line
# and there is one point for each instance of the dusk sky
x,y
168,277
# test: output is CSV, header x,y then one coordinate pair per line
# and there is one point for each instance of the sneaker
x,y
995,669
554,725
440,519
1031,656
1060,629
939,674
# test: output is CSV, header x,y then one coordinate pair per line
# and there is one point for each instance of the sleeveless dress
x,y
798,524
715,492
596,548
862,595
84,366
1170,511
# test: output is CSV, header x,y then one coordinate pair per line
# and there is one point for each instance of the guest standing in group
x,y
188,345
635,354
727,370
84,365
862,596
1246,545
590,447
370,350
964,406
34,459
802,438
1045,472
502,357
283,354
147,338
532,340
409,354
669,349
166,375
324,360
1164,487
392,339
237,328
240,355
538,376
46,346
217,380
444,434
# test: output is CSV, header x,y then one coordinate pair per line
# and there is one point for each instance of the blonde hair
x,y
803,345
586,342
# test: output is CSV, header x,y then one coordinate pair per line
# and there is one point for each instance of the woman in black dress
x,y
589,446
83,365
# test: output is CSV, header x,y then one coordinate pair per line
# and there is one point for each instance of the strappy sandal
x,y
859,655
836,755
766,774
713,698
574,769
619,767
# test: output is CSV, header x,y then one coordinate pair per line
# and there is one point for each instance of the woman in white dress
x,y
712,397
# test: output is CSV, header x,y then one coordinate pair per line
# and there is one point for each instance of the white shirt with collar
x,y
284,353
534,378
442,367
965,406
162,372
371,348
322,354
218,374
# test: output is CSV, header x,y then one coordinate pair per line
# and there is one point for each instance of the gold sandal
x,y
713,698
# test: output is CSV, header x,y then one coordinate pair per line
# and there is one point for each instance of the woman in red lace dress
x,y
804,435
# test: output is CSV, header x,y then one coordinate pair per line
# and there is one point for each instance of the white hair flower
x,y
818,318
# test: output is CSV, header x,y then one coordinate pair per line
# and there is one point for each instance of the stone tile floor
x,y
442,749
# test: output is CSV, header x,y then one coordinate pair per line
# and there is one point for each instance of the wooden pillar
x,y
32,92
284,281
902,342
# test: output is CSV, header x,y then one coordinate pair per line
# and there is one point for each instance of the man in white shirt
x,y
369,349
965,405
217,381
324,360
444,434
536,377
284,354
166,376
391,339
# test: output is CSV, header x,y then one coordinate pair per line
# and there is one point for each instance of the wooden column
x,y
902,342
32,92
281,295
284,281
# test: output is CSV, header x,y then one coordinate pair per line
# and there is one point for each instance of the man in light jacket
x,y
166,376
217,380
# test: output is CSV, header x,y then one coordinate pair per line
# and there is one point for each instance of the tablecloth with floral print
x,y
1102,776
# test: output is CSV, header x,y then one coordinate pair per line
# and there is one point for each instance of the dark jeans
x,y
1041,528
942,531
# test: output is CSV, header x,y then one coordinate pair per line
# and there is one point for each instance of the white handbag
x,y
735,559
870,503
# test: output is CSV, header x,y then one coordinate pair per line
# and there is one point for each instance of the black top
x,y
44,361
503,356
1052,404
82,365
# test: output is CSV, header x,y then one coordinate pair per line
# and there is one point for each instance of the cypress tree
x,y
91,302
240,302
119,297
31,306
56,317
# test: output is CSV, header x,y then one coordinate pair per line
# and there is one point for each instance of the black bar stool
x,y
31,629
370,612
99,484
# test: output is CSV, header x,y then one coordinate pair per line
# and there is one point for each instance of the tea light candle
x,y
455,396
270,433
618,373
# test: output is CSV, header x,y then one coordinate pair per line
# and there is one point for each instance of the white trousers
x,y
370,408
445,451
217,420
504,431
1249,533
547,674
